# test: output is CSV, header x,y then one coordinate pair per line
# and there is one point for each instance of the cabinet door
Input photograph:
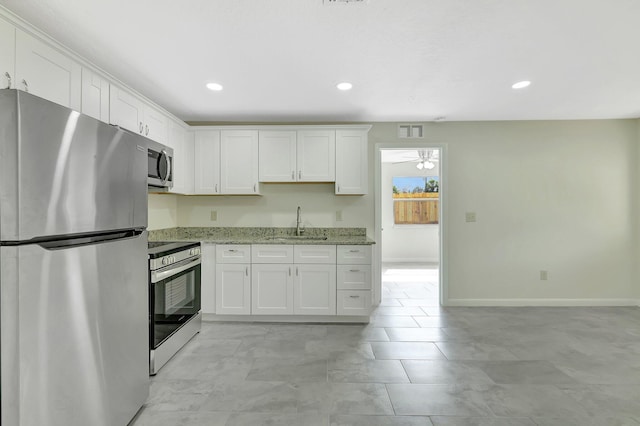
x,y
239,162
314,290
95,96
316,155
277,156
233,289
45,72
156,124
272,289
206,165
7,55
354,302
182,143
125,110
208,278
351,162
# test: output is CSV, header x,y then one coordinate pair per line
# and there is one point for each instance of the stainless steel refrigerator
x,y
73,267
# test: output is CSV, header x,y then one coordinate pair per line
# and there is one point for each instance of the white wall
x,y
552,195
405,243
277,207
163,211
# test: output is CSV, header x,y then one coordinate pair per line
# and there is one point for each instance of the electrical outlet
x,y
338,215
544,275
470,216
214,215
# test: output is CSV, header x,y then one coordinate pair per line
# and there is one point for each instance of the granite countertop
x,y
219,235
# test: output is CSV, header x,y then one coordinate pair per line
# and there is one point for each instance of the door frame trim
x,y
443,211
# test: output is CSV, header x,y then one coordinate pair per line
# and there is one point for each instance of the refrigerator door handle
x,y
84,240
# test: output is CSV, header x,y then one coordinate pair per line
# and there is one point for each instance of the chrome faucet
x,y
298,223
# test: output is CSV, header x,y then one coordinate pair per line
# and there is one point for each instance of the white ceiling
x,y
409,60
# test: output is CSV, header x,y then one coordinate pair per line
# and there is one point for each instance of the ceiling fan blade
x,y
406,161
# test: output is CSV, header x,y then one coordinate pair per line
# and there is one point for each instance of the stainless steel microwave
x,y
160,166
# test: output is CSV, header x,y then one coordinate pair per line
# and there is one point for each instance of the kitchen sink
x,y
298,237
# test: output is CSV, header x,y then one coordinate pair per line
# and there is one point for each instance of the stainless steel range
x,y
174,299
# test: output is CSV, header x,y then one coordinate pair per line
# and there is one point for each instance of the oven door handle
x,y
157,276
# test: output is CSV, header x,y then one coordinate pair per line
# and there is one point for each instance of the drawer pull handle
x,y
289,270
26,85
355,297
354,251
247,271
299,174
232,251
6,74
354,270
296,271
293,175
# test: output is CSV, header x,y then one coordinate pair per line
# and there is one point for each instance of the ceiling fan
x,y
425,159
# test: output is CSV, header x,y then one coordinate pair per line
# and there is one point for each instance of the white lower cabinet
x,y
314,289
233,289
233,279
354,302
271,289
274,279
353,280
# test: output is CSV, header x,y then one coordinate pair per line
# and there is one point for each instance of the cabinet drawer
x,y
354,277
271,253
314,254
353,302
354,255
230,253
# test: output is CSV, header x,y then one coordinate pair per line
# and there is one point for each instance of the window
x,y
416,200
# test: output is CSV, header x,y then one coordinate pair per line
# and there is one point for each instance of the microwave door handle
x,y
157,276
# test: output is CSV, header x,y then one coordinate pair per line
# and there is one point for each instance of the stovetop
x,y
163,248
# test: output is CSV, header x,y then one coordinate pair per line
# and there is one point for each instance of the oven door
x,y
174,297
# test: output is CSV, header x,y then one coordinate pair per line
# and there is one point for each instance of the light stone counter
x,y
231,235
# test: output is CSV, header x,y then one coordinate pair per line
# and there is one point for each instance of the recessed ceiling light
x,y
521,84
214,86
344,86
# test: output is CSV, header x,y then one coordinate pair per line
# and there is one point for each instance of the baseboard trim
x,y
319,319
542,302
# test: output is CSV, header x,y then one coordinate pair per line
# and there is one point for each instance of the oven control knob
x,y
165,260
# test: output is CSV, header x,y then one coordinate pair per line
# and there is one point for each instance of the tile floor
x,y
414,364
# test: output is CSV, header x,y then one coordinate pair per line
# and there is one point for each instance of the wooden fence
x,y
407,212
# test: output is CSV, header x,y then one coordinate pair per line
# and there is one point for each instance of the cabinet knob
x,y
6,74
26,85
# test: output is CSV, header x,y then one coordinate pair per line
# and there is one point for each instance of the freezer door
x,y
74,334
66,173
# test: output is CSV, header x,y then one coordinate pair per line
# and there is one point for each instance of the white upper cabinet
x,y
316,151
7,55
46,72
95,95
206,163
239,162
277,152
297,156
182,143
130,112
351,162
125,110
156,124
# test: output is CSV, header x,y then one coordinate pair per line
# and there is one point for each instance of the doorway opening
x,y
409,225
